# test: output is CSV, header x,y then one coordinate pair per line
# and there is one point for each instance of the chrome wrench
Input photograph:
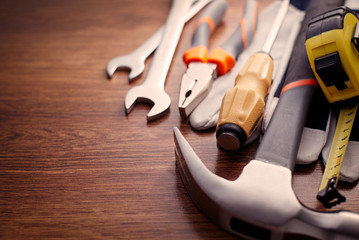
x,y
135,61
152,89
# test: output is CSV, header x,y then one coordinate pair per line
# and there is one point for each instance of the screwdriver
x,y
243,106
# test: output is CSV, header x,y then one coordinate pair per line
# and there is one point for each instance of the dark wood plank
x,y
73,165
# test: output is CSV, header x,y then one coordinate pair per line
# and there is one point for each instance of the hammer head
x,y
260,204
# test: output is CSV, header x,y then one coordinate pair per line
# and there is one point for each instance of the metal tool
x,y
152,89
135,61
332,47
196,81
261,203
328,194
243,106
203,68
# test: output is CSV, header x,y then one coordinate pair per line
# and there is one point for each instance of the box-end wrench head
x,y
157,97
135,61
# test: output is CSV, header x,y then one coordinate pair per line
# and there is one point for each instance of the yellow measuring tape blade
x,y
339,144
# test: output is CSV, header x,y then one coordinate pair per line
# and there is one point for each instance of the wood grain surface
x,y
73,164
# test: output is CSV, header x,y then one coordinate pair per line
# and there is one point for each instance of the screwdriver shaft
x,y
276,26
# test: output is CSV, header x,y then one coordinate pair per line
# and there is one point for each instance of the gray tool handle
x,y
280,143
213,12
244,33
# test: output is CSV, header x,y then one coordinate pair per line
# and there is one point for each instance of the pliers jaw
x,y
195,85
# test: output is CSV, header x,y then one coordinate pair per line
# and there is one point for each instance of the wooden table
x,y
73,165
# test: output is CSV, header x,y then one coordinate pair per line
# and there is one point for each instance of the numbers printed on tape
x,y
332,47
339,145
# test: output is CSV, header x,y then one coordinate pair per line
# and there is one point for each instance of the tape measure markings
x,y
339,144
335,69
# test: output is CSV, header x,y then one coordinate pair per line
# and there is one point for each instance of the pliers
x,y
203,68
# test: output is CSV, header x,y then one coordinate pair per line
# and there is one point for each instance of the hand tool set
x,y
261,203
332,47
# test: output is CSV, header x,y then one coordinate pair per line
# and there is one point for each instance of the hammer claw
x,y
200,182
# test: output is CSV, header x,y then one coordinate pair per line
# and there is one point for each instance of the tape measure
x,y
328,194
332,47
333,51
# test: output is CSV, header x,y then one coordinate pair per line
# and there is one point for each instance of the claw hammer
x,y
261,203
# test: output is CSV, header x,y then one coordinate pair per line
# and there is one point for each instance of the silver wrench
x,y
152,89
135,61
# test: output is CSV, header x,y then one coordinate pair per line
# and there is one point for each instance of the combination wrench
x,y
135,61
152,89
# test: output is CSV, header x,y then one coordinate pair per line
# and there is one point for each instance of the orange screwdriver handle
x,y
242,106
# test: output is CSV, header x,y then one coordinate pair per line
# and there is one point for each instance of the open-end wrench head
x,y
135,61
130,62
260,204
159,98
